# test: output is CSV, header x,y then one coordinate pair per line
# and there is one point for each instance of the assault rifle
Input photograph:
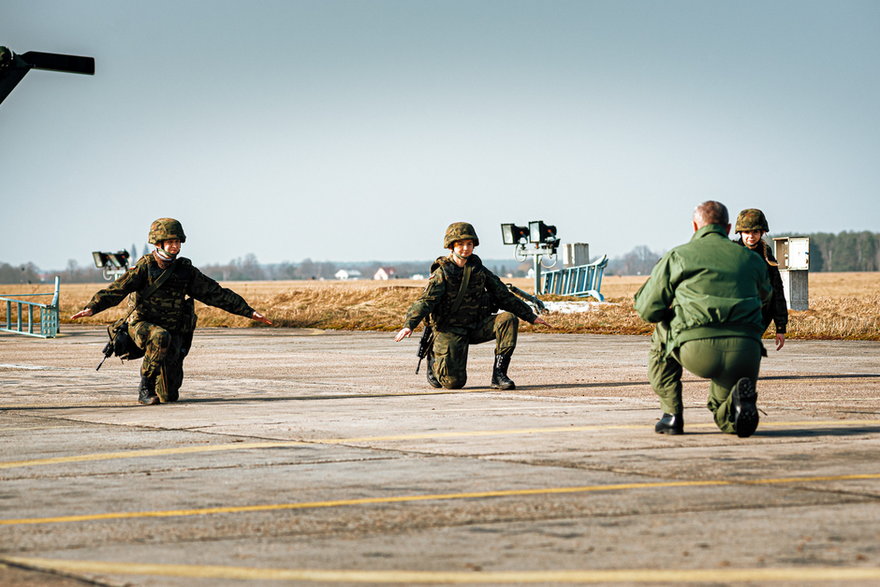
x,y
424,344
539,306
108,352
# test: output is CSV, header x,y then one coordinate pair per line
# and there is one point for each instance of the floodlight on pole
x,y
542,238
112,264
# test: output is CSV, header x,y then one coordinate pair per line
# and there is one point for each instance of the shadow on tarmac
x,y
846,376
819,431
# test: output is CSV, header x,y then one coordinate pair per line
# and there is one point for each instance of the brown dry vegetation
x,y
842,306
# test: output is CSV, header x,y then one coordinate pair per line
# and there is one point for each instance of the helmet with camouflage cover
x,y
459,231
164,229
751,219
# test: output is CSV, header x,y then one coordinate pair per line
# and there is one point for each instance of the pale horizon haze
x,y
358,130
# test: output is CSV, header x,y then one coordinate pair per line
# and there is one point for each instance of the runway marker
x,y
132,454
723,575
428,497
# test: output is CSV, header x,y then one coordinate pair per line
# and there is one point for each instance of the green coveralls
x,y
474,321
706,297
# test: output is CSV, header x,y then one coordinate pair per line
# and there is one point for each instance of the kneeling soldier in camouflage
x,y
461,299
162,320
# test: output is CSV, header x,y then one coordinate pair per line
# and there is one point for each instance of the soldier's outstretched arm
x,y
130,281
260,318
82,314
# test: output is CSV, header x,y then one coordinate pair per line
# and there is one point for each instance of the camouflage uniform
x,y
474,322
162,323
777,310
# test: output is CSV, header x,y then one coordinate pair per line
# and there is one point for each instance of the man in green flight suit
x,y
460,301
162,320
706,298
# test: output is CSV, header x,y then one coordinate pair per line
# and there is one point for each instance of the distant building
x,y
347,274
385,273
417,276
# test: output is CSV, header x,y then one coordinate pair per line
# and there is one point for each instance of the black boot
x,y
744,408
147,391
500,380
432,379
670,424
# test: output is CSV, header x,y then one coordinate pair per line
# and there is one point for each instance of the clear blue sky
x,y
357,130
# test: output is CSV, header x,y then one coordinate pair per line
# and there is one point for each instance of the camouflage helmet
x,y
459,231
165,228
751,219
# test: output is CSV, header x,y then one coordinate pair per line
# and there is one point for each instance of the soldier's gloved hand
x,y
403,334
82,314
540,320
260,318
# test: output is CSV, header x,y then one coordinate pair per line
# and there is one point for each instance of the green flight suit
x,y
473,322
162,323
706,297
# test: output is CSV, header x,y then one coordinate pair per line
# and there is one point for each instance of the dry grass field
x,y
842,306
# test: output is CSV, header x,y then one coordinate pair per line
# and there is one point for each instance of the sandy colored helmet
x,y
751,219
459,231
165,228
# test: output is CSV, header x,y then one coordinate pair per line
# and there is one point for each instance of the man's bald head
x,y
711,212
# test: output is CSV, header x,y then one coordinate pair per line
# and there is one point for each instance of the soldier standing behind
x,y
162,322
751,224
460,301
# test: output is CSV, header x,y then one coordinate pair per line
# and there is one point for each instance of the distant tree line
x,y
845,251
638,261
247,268
27,273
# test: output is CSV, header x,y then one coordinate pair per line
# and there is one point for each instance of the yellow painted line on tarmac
x,y
725,575
428,497
133,454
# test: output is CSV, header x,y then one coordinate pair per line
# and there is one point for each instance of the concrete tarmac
x,y
311,457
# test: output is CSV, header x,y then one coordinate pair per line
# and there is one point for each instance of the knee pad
x,y
452,382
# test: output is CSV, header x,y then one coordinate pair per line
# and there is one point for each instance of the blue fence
x,y
583,280
21,320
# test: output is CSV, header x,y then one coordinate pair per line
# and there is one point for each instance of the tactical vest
x,y
476,304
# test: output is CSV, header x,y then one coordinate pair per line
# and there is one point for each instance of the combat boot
x,y
500,380
670,424
432,379
744,408
147,391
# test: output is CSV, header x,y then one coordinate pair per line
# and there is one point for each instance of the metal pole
x,y
537,270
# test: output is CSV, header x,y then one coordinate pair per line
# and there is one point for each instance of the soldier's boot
x,y
744,408
670,424
432,379
147,391
500,380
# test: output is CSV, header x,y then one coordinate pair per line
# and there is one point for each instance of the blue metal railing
x,y
48,324
583,280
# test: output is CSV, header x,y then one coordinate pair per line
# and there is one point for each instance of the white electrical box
x,y
793,255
